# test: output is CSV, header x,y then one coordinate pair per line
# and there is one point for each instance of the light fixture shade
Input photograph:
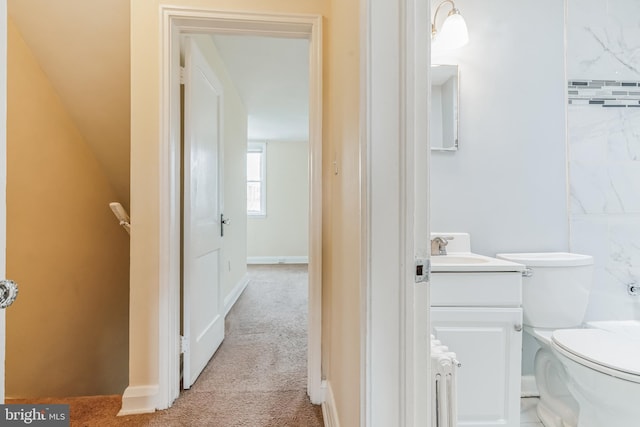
x,y
453,34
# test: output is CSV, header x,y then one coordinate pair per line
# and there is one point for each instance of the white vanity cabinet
x,y
478,315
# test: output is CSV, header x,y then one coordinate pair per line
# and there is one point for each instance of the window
x,y
256,179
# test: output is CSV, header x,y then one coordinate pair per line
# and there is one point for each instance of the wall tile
x,y
592,190
603,66
590,236
625,245
624,139
609,299
624,188
603,39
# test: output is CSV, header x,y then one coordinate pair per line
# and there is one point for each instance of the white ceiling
x,y
272,78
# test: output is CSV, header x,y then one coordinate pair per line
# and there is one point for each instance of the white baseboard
x,y
329,409
139,400
235,293
529,388
278,260
317,395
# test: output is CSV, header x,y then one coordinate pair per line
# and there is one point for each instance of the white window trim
x,y
260,147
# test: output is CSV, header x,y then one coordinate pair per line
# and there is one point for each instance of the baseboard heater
x,y
443,381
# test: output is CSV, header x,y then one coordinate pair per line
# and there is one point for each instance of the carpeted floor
x,y
257,378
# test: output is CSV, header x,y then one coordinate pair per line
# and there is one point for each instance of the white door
x,y
203,321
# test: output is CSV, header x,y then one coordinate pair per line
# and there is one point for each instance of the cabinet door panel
x,y
488,345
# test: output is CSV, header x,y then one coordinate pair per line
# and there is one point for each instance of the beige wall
x,y
67,333
341,210
234,245
78,43
341,294
284,232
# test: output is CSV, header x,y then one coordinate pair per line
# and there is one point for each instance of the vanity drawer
x,y
481,289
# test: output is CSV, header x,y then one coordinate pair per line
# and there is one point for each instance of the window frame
x,y
259,147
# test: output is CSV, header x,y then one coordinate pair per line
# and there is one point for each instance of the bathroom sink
x,y
468,261
457,259
465,279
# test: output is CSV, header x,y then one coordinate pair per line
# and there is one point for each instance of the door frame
x,y
395,92
174,22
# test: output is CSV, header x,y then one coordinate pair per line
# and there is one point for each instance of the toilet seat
x,y
603,351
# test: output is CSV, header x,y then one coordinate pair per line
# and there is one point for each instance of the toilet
x,y
586,376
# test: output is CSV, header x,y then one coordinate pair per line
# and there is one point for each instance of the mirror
x,y
444,107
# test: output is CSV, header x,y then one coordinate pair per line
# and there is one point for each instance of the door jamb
x,y
395,77
178,20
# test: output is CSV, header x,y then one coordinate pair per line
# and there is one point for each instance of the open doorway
x,y
307,27
271,76
235,89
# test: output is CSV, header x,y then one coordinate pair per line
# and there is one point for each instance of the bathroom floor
x,y
528,416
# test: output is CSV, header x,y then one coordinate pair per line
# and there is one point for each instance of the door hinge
x,y
423,270
184,344
181,75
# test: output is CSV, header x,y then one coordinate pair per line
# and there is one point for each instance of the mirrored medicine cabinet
x,y
444,107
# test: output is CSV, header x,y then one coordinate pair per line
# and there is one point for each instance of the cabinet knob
x,y
517,327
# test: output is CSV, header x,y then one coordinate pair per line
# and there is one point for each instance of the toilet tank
x,y
555,288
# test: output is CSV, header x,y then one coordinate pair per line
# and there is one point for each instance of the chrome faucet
x,y
439,245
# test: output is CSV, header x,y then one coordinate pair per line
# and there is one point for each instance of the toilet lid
x,y
608,352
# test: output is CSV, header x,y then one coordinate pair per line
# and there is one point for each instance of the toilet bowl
x,y
557,407
587,375
603,375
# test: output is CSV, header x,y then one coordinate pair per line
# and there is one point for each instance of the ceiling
x,y
272,78
84,49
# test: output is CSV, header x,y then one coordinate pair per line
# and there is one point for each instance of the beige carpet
x,y
257,377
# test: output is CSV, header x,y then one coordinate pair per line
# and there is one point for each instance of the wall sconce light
x,y
453,33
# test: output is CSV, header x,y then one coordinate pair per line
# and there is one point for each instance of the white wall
x,y
507,183
603,40
283,232
234,249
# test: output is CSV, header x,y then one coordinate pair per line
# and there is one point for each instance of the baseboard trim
x,y
317,394
235,293
329,409
529,388
278,260
139,400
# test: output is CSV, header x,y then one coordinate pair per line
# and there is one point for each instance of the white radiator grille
x,y
443,382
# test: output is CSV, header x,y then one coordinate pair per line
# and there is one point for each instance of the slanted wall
x,y
67,333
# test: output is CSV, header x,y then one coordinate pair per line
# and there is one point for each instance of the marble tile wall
x,y
603,43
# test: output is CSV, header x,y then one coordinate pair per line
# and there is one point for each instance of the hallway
x,y
258,375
